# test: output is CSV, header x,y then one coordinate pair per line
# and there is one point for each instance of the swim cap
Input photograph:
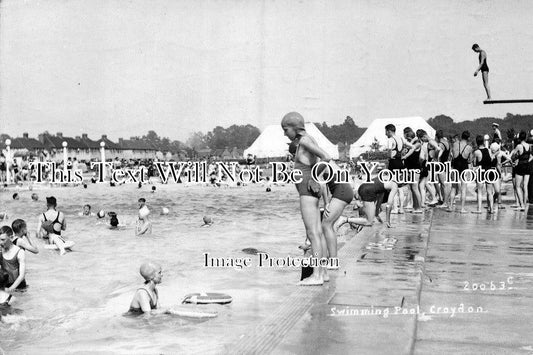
x,y
486,137
15,196
34,196
112,214
84,186
148,270
165,210
101,214
144,212
208,220
293,119
153,188
494,147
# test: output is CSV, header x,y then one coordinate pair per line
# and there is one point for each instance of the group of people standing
x,y
414,150
411,151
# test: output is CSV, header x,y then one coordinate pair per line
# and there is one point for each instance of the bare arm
x,y
310,145
482,61
27,245
412,149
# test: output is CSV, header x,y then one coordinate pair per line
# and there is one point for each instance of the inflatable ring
x,y
207,298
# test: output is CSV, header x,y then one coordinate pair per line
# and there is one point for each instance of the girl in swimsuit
x,y
306,155
146,297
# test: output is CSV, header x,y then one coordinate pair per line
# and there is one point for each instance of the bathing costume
x,y
369,192
11,268
153,302
522,168
308,186
425,170
413,161
396,163
485,162
341,191
51,228
460,163
484,66
446,153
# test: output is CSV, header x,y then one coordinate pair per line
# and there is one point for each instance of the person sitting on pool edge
x,y
12,260
146,297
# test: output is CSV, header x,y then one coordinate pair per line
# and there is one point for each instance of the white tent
x,y
376,131
273,143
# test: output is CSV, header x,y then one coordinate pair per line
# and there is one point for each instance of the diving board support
x,y
488,102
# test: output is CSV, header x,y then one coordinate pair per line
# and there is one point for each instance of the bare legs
x,y
335,208
311,218
485,76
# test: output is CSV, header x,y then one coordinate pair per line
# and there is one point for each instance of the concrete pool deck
x,y
436,283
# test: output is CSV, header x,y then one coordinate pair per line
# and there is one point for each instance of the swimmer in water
x,y
12,261
86,211
208,221
144,225
146,298
51,223
16,196
35,197
21,237
113,222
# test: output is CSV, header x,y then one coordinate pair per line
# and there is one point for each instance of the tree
x,y
197,140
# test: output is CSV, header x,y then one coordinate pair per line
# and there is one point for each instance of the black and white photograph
x,y
266,177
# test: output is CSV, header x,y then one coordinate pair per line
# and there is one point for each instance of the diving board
x,y
488,102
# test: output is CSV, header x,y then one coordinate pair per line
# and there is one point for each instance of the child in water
x,y
144,226
146,298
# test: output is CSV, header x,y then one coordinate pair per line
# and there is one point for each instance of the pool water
x,y
76,302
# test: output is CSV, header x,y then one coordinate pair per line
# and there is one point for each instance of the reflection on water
x,y
78,301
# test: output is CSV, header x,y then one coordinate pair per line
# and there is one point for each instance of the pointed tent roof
x,y
273,143
376,130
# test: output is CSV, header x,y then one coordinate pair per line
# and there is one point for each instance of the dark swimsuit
x,y
153,303
460,163
396,163
484,66
369,192
413,161
445,154
522,168
11,267
53,223
486,162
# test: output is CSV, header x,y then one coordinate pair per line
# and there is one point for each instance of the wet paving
x,y
437,283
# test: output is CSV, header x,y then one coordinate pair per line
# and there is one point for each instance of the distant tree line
x,y
240,136
509,126
347,132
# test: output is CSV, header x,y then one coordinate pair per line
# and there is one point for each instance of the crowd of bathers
x,y
415,149
411,151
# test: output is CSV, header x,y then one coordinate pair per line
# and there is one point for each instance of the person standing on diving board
x,y
483,68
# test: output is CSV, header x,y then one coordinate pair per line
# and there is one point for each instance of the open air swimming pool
x,y
76,302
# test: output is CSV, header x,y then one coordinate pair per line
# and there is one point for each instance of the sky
x,y
122,68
